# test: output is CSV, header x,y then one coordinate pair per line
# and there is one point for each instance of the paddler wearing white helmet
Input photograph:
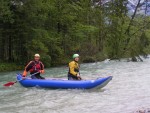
x,y
74,73
35,67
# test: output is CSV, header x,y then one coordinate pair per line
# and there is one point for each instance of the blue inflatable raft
x,y
64,84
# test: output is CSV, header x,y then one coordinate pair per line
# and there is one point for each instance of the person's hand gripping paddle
x,y
12,83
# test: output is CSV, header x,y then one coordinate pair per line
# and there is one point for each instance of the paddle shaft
x,y
79,78
31,75
12,83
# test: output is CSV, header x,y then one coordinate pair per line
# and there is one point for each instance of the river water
x,y
128,91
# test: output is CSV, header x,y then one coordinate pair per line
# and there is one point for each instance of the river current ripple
x,y
128,91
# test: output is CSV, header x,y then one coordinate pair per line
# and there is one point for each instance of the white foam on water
x,y
126,93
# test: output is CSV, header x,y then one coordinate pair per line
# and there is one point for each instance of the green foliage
x,y
5,12
56,29
46,59
10,67
88,59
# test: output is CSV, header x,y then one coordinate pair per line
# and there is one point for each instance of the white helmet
x,y
37,55
75,56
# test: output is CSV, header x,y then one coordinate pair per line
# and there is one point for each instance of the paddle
x,y
12,83
79,78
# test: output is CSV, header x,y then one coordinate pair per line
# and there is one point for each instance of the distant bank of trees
x,y
58,28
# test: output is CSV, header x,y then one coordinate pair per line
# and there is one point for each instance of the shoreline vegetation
x,y
5,66
57,29
10,67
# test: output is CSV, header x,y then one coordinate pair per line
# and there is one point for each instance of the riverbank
x,y
5,66
10,67
143,110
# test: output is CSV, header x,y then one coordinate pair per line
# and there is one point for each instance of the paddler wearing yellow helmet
x,y
74,73
35,67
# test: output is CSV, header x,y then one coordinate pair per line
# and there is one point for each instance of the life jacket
x,y
76,69
36,67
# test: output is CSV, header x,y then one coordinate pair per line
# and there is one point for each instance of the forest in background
x,y
56,29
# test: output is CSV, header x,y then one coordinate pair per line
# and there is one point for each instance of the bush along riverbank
x,y
5,66
10,67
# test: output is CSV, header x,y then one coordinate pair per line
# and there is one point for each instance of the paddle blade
x,y
9,84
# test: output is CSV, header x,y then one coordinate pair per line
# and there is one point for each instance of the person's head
x,y
76,57
36,57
